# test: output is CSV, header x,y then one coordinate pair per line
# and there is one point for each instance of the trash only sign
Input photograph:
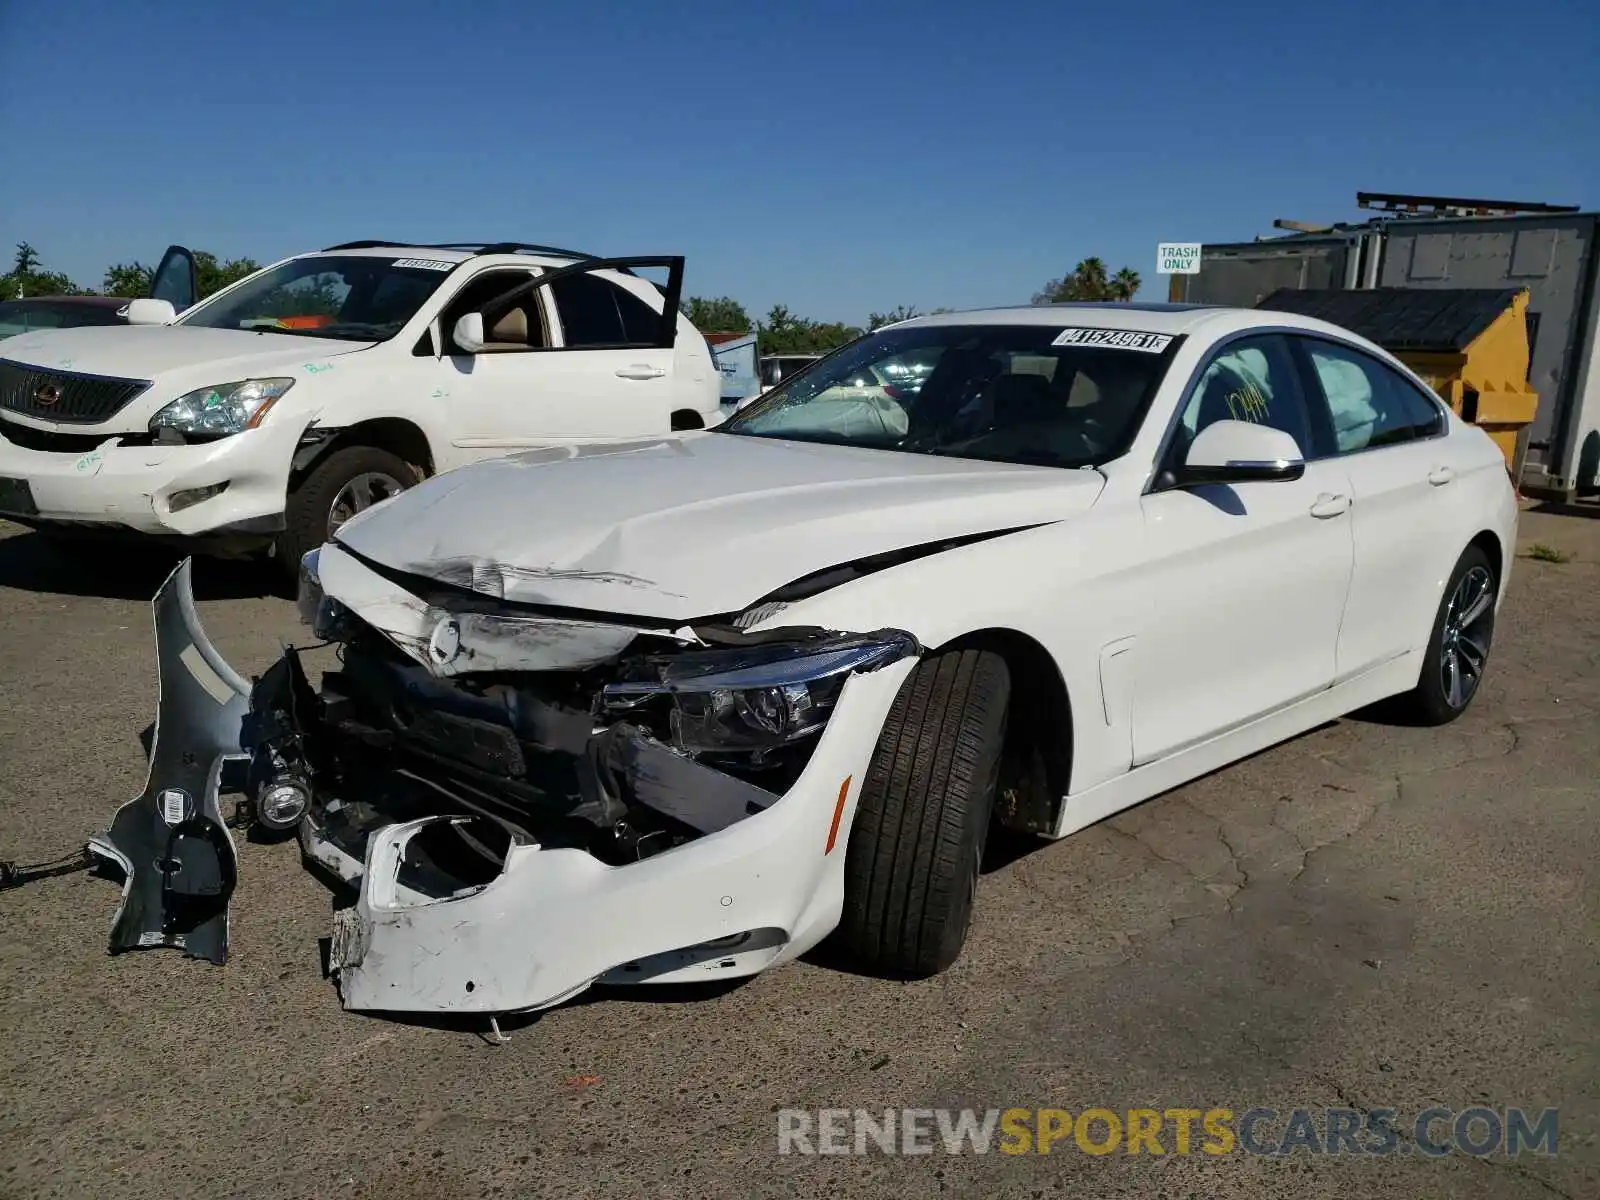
x,y
1178,258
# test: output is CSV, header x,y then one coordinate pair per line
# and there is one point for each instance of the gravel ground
x,y
1368,916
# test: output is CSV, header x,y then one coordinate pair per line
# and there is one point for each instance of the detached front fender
x,y
171,842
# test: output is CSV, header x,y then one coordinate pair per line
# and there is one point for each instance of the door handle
x,y
1330,505
1440,476
640,371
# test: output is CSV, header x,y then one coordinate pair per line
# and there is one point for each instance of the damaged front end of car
x,y
529,801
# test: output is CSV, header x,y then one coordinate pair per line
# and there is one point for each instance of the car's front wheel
x,y
911,867
1458,646
350,480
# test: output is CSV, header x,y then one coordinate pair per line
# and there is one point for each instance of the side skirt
x,y
1114,795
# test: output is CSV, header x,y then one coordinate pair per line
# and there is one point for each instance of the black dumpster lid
x,y
1444,319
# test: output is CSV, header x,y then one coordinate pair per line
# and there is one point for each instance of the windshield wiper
x,y
362,331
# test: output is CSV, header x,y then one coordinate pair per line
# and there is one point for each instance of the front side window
x,y
360,298
997,392
522,327
1370,404
1252,379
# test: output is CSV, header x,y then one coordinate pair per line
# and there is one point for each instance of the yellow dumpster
x,y
1470,344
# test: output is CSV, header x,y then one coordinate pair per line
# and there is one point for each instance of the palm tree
x,y
1089,280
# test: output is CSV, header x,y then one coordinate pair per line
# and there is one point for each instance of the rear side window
x,y
1370,404
596,312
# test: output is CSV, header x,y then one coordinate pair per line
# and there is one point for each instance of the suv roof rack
x,y
474,248
470,247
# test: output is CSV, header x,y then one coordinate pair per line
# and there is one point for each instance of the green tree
x,y
133,279
721,315
1089,280
27,261
212,276
785,333
903,312
26,279
130,280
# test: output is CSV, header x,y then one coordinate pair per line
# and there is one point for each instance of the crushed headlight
x,y
323,615
223,409
757,698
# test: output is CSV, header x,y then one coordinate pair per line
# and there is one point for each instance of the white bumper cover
x,y
760,892
133,486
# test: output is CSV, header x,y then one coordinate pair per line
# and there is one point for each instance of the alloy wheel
x,y
360,494
1464,640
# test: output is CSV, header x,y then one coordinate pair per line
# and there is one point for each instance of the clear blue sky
x,y
837,157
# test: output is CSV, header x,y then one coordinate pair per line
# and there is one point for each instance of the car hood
x,y
175,358
674,529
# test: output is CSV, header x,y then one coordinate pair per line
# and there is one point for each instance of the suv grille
x,y
64,396
48,440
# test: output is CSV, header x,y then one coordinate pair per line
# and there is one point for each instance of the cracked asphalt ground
x,y
1367,916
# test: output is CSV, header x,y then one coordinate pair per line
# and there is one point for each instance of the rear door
x,y
608,366
1389,438
616,356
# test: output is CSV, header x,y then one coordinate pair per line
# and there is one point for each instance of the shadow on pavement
x,y
1589,508
30,562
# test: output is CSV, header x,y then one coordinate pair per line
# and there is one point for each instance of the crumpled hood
x,y
699,525
176,358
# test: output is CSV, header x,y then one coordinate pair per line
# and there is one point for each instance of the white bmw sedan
x,y
674,708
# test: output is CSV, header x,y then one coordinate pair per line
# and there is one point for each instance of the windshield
x,y
997,392
356,298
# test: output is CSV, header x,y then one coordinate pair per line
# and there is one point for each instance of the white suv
x,y
282,405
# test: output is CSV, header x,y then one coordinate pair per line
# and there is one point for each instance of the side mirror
x,y
1240,452
150,312
468,332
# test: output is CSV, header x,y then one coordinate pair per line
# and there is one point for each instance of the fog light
x,y
282,804
189,497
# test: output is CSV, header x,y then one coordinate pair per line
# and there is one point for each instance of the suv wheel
x,y
346,482
911,867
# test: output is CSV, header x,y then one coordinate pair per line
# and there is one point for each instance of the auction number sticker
x,y
1115,339
424,264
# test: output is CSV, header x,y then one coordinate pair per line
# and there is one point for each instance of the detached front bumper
x,y
157,490
554,920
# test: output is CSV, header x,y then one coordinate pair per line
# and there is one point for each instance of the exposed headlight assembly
x,y
221,410
758,698
324,615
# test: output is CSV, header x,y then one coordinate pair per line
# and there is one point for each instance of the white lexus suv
x,y
274,410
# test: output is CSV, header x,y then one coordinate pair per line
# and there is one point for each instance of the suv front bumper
x,y
153,489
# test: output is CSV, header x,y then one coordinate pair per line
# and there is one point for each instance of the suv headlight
x,y
223,409
753,699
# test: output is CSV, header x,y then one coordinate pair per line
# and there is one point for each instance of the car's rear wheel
x,y
348,481
911,867
1458,646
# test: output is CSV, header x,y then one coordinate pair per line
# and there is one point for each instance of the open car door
x,y
174,279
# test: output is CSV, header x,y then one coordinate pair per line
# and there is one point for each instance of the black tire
x,y
1431,701
305,514
911,866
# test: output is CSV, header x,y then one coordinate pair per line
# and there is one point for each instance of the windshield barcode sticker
x,y
425,264
1115,339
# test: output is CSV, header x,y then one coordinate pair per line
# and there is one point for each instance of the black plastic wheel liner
x,y
172,842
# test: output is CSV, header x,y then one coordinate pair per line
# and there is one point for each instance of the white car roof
x,y
1212,320
441,254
